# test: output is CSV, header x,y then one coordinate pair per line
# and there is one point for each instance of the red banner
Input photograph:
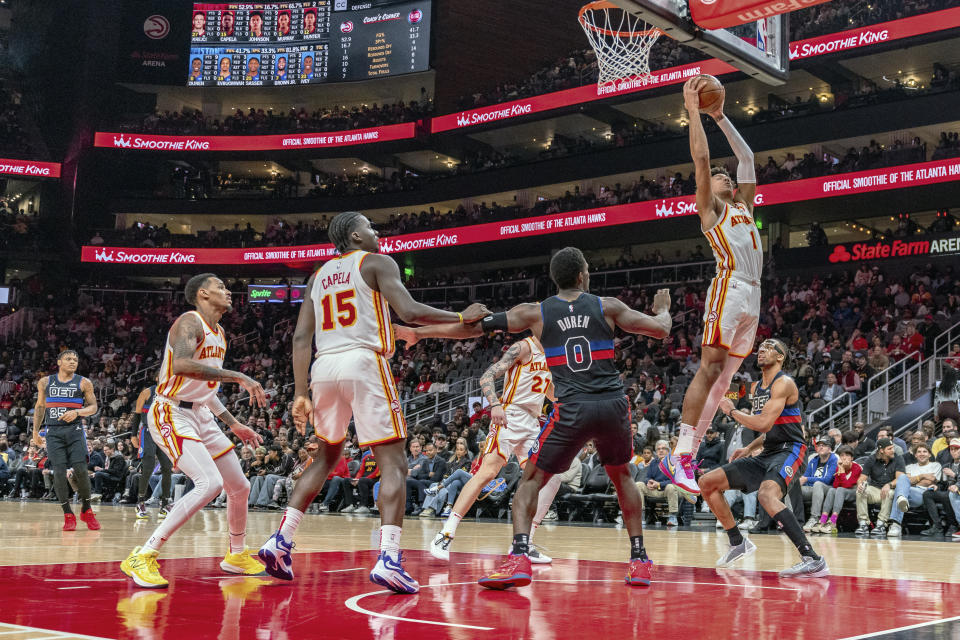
x,y
146,142
843,41
810,189
711,14
29,168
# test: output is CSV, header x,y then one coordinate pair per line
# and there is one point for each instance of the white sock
x,y
238,542
290,522
237,488
390,538
450,526
685,439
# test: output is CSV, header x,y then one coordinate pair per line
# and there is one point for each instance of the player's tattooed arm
x,y
185,335
517,352
89,399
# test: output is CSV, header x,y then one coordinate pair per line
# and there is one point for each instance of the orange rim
x,y
606,4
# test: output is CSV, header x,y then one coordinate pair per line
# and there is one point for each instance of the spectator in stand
x,y
946,399
842,490
478,412
919,477
876,485
818,478
366,476
850,381
899,446
830,390
946,495
949,431
337,480
267,475
712,451
432,469
28,477
108,478
659,486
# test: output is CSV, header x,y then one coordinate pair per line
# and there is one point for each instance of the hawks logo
x,y
395,407
346,27
712,316
165,430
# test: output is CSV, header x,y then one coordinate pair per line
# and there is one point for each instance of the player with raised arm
x,y
514,424
149,457
181,423
62,399
576,330
733,299
346,315
776,415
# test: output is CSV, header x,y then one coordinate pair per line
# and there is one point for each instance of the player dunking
x,y
733,299
149,457
346,312
182,425
514,424
776,415
62,399
576,330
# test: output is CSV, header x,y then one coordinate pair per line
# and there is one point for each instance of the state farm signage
x,y
771,194
29,168
144,142
896,248
799,50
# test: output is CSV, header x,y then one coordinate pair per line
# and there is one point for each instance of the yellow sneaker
x,y
144,569
139,611
242,563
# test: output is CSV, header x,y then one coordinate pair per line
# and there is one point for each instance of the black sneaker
x,y
863,529
879,531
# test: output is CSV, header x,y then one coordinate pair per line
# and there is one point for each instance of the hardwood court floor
x,y
55,584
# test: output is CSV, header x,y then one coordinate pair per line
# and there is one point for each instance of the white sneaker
x,y
894,531
733,554
747,525
538,557
903,504
440,547
550,516
810,524
361,510
348,509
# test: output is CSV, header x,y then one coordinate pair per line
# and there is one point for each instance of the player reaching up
x,y
514,424
181,423
346,313
776,415
733,299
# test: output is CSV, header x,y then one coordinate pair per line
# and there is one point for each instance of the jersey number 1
x,y
346,310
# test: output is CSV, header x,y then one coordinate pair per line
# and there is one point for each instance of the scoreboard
x,y
283,43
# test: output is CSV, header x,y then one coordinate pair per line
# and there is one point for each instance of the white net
x,y
621,40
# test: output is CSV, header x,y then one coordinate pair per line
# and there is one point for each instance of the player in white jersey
x,y
514,424
181,423
346,313
733,299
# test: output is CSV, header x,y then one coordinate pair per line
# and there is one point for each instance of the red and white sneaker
x,y
681,470
69,522
955,536
514,572
91,520
640,573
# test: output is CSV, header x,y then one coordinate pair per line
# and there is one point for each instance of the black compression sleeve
x,y
495,321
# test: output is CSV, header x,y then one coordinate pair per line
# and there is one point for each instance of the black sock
x,y
66,508
788,522
733,533
637,552
521,544
85,506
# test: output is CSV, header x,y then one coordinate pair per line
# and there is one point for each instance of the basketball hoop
x,y
621,40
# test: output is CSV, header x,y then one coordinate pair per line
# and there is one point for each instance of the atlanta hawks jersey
x,y
526,383
736,243
210,351
349,314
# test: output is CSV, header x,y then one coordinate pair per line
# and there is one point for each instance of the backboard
x,y
760,49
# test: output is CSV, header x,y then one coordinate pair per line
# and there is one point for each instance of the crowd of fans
x,y
841,328
260,122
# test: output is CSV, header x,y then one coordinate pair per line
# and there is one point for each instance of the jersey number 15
x,y
346,311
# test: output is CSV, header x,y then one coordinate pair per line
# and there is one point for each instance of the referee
x,y
62,399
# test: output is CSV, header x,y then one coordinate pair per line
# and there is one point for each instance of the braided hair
x,y
341,227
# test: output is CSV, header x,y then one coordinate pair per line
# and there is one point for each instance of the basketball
x,y
710,93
